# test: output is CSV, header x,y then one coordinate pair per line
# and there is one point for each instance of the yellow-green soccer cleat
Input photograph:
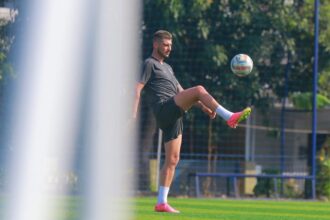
x,y
238,117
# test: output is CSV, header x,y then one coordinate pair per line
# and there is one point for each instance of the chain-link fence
x,y
277,138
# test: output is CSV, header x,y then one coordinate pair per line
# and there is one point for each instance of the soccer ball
x,y
241,65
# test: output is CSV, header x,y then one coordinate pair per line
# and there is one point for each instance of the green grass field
x,y
202,209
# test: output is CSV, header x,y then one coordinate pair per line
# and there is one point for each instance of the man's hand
x,y
206,110
134,116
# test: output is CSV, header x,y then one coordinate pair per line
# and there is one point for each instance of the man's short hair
x,y
161,34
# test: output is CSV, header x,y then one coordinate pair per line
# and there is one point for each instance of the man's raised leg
x,y
187,98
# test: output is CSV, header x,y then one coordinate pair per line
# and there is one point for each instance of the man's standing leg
x,y
172,157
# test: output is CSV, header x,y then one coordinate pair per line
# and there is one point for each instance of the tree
x,y
208,33
6,40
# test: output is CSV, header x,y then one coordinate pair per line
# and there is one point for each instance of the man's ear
x,y
155,44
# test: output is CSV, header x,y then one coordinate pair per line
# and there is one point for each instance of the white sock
x,y
224,113
162,194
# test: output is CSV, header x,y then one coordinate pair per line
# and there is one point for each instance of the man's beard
x,y
163,55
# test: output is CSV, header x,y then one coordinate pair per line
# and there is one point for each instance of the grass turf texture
x,y
193,209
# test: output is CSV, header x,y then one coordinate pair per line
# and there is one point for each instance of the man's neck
x,y
157,57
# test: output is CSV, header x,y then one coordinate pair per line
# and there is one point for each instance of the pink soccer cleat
x,y
165,207
238,117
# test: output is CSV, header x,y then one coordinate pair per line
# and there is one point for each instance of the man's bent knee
x,y
200,89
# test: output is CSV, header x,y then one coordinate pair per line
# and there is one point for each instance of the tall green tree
x,y
207,33
6,40
324,62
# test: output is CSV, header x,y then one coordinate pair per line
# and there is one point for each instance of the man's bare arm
x,y
180,89
138,89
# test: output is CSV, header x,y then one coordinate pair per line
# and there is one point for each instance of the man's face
x,y
164,48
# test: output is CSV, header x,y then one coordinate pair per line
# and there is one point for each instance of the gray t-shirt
x,y
160,82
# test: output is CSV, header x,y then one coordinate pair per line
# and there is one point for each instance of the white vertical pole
x,y
111,145
253,136
46,105
248,140
159,152
47,110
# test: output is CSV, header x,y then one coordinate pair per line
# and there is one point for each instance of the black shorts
x,y
169,119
